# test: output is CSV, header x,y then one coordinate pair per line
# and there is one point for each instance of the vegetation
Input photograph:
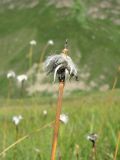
x,y
92,42
90,113
92,30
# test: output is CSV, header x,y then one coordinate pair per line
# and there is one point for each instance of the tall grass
x,y
80,113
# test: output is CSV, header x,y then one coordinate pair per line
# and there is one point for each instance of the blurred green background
x,y
91,27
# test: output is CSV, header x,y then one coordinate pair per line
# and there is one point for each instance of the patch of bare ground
x,y
42,82
105,10
15,4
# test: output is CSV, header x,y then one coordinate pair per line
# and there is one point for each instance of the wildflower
x,y
16,119
64,118
33,43
92,137
11,74
22,78
50,42
60,64
45,112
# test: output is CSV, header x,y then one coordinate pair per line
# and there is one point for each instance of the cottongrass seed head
x,y
33,43
45,112
60,65
21,78
16,119
92,137
11,74
64,118
50,42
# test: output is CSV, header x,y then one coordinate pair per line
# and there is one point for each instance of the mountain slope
x,y
93,43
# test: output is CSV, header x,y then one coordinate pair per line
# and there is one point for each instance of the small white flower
x,y
33,43
51,42
16,119
92,137
64,118
11,74
45,112
22,78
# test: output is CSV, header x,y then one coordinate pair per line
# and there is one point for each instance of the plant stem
x,y
93,153
9,88
4,136
30,56
42,55
117,146
22,89
59,155
114,83
16,138
57,121
24,137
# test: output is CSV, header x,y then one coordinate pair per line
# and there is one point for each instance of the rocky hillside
x,y
15,4
92,29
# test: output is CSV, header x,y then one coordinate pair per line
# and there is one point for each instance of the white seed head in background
x,y
50,42
64,118
92,137
33,43
11,74
16,119
21,78
56,63
45,112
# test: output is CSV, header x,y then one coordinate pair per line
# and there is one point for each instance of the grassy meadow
x,y
92,104
95,113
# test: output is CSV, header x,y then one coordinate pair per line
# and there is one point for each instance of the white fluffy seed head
x,y
64,118
16,119
55,63
51,42
22,78
45,112
11,74
33,43
92,137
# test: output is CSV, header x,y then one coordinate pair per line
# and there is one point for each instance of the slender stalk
x,y
93,152
77,152
24,137
9,88
16,138
115,82
30,56
42,55
4,136
59,155
57,121
117,146
22,88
